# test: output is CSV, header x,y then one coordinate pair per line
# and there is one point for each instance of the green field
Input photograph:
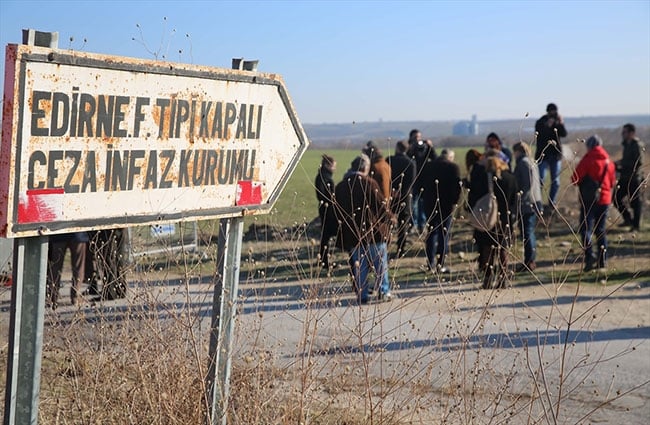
x,y
298,203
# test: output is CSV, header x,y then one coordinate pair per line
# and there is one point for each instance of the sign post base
x,y
26,331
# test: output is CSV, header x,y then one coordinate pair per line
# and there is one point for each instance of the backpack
x,y
590,190
485,212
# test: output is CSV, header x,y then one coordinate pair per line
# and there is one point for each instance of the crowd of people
x,y
417,190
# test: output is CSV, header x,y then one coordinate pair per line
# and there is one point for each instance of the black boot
x,y
627,219
488,277
636,221
590,261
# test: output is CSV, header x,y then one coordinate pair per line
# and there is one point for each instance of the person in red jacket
x,y
597,166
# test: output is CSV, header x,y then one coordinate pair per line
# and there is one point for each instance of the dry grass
x,y
544,351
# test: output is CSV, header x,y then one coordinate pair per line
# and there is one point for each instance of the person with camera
x,y
549,130
631,176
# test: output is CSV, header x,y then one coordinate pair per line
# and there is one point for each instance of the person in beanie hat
x,y
595,169
549,130
593,141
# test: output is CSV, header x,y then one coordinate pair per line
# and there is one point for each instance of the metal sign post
x,y
27,308
26,331
224,308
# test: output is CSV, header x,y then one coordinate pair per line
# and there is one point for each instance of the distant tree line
x,y
611,137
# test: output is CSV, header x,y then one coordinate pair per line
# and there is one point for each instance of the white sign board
x,y
92,141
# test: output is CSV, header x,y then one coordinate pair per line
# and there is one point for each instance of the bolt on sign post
x,y
92,141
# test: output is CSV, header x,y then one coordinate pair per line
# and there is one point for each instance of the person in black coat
x,y
550,130
402,177
630,183
440,198
494,244
324,189
421,151
58,245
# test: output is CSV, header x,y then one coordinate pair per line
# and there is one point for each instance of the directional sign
x,y
96,141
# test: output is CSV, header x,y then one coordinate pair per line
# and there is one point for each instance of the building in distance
x,y
466,128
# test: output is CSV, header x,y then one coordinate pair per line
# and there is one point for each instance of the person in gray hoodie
x,y
527,175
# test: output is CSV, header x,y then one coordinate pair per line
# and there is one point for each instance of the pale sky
x,y
368,60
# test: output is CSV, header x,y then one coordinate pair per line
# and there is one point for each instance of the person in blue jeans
x,y
548,155
364,217
367,258
530,206
597,167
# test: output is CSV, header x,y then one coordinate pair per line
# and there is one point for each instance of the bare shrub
x,y
554,346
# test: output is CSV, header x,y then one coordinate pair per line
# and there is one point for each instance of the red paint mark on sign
x,y
45,192
248,193
39,206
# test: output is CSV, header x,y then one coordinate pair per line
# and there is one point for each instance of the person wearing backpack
x,y
491,176
595,176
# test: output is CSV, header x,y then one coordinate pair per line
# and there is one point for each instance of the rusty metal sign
x,y
92,141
